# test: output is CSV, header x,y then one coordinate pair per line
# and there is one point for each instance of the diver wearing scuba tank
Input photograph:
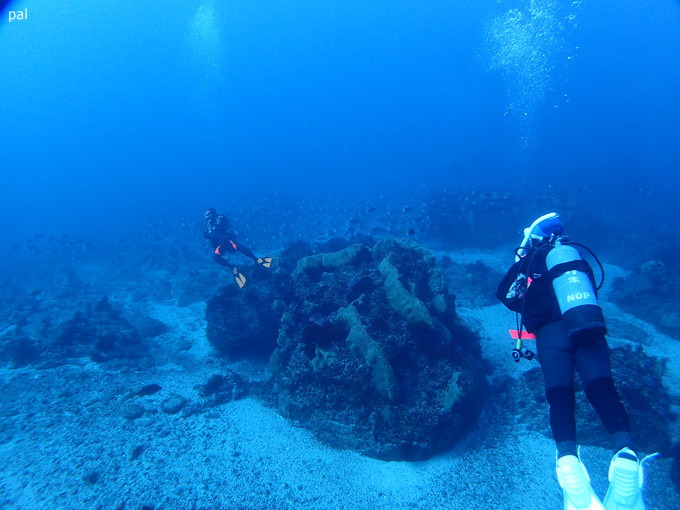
x,y
553,291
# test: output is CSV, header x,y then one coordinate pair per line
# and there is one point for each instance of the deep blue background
x,y
116,112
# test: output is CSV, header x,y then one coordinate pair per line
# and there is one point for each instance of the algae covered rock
x,y
101,332
650,293
372,356
360,343
245,322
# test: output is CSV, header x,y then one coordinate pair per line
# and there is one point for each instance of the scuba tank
x,y
576,296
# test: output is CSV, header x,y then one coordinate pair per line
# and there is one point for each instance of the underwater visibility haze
x,y
380,152
132,111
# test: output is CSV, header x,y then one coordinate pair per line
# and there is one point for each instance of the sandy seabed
x,y
65,442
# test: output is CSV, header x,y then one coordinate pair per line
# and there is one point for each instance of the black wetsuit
x,y
216,230
558,355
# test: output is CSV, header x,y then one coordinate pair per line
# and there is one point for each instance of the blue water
x,y
115,114
452,122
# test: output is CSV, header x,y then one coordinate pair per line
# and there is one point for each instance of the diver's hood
x,y
543,227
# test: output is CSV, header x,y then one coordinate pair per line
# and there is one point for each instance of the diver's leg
x,y
626,470
557,363
221,260
594,368
556,356
243,249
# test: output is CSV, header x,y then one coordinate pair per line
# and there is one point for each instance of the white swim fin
x,y
626,478
575,482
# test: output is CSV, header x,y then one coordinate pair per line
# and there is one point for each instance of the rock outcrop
x,y
650,293
372,356
102,332
245,322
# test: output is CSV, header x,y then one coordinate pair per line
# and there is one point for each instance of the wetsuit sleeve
x,y
512,287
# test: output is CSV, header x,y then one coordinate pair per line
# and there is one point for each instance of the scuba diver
x,y
553,291
216,230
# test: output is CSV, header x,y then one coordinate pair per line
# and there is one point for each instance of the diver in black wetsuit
x,y
216,230
553,289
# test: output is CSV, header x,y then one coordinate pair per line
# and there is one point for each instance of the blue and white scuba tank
x,y
576,296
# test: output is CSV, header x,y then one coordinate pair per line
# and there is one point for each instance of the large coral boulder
x,y
372,356
245,322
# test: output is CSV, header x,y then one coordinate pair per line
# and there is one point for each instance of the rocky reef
x,y
98,329
651,293
100,332
364,346
475,283
244,323
372,356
